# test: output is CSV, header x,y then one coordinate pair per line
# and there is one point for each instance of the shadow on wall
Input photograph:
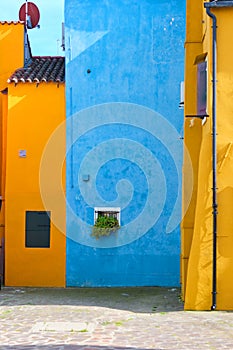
x,y
225,222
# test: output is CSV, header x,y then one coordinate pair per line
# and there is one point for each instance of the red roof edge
x,y
11,22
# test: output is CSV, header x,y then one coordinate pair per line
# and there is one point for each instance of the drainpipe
x,y
208,6
214,156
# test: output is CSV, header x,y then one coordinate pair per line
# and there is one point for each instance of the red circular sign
x,y
33,15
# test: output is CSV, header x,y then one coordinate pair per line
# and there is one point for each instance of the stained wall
x,y
124,66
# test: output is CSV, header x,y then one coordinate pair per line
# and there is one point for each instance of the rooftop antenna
x,y
27,17
63,37
30,15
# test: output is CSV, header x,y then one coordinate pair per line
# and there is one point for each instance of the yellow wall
x,y
33,115
3,128
11,50
11,58
198,279
192,129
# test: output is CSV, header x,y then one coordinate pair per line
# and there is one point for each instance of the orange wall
x,y
34,112
3,125
11,50
192,131
11,58
199,269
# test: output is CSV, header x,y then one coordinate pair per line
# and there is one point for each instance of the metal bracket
x,y
199,116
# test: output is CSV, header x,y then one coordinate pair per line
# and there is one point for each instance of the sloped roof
x,y
41,69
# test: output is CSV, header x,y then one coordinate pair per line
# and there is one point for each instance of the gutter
x,y
208,6
218,4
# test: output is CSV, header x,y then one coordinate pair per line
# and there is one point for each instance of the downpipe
x,y
214,156
208,6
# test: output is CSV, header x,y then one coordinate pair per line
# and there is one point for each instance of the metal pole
x,y
26,14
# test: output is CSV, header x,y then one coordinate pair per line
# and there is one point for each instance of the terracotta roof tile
x,y
11,22
41,69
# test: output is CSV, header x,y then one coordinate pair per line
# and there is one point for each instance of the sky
x,y
45,41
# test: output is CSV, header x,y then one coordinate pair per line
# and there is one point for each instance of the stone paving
x,y
107,319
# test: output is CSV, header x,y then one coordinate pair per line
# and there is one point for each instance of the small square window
x,y
107,211
37,232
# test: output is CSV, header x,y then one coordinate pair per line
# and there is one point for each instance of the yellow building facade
x,y
207,226
32,107
11,41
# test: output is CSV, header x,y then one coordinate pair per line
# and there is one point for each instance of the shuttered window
x,y
37,232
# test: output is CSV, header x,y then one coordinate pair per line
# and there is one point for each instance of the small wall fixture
x,y
199,116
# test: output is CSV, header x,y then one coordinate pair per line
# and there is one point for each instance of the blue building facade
x,y
124,66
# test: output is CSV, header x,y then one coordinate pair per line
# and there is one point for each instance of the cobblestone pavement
x,y
107,319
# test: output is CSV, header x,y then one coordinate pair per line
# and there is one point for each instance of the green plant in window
x,y
104,226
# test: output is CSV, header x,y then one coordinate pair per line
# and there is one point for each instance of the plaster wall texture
x,y
124,65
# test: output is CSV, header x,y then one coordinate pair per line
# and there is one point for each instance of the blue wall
x,y
124,65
